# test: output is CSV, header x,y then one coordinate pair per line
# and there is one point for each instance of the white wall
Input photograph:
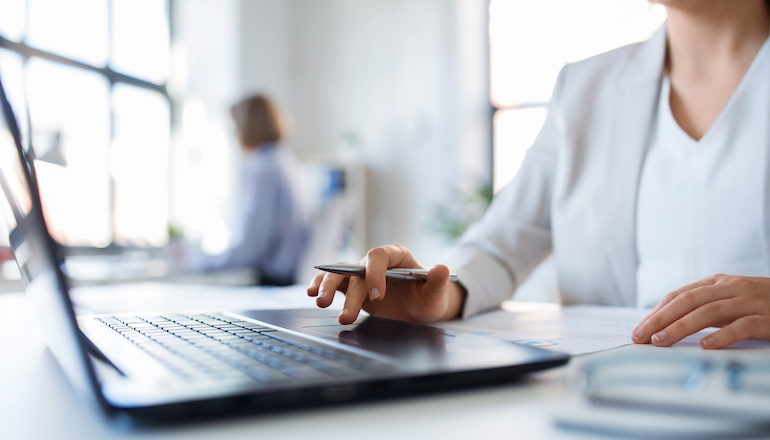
x,y
205,80
405,78
206,45
389,72
267,47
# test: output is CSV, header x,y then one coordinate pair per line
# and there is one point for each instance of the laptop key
x,y
220,347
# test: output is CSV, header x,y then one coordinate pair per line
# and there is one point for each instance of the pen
x,y
359,270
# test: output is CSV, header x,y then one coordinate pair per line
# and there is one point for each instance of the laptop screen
x,y
37,254
17,202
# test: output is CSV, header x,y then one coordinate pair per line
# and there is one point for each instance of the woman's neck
x,y
710,47
704,35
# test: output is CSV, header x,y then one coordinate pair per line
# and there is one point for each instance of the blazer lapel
x,y
632,121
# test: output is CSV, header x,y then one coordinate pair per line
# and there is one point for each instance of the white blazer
x,y
576,193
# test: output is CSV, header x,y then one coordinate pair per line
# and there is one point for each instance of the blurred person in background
x,y
649,183
274,220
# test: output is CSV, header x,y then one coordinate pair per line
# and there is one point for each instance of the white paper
x,y
574,329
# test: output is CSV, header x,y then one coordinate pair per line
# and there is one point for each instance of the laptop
x,y
187,364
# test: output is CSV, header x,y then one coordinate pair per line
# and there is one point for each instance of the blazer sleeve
x,y
503,248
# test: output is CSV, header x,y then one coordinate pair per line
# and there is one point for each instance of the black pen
x,y
359,270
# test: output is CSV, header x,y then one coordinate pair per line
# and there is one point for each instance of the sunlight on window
x,y
12,69
514,127
139,164
101,146
71,127
202,201
73,28
18,205
145,53
530,41
12,19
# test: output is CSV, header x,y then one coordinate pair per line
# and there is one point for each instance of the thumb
x,y
437,281
431,302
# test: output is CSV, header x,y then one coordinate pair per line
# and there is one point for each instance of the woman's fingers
x,y
377,261
315,284
740,305
673,307
373,286
330,283
644,338
354,300
753,326
420,300
713,314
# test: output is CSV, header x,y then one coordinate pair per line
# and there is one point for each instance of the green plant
x,y
452,219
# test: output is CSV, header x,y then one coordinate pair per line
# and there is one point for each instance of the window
x,y
530,41
88,81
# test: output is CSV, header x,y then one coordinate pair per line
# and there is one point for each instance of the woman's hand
x,y
431,300
739,305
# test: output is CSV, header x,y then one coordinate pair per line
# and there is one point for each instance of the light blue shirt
x,y
274,218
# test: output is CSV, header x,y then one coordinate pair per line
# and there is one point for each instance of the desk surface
x,y
37,402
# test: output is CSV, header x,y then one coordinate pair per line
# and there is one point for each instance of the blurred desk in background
x,y
128,267
36,401
143,266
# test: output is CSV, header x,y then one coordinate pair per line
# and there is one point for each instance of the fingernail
x,y
659,337
321,294
310,286
707,342
344,312
638,334
374,293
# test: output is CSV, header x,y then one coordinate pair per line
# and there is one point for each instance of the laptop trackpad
x,y
393,338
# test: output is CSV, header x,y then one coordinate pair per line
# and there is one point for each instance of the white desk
x,y
36,401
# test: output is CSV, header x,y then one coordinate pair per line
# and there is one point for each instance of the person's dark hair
x,y
257,121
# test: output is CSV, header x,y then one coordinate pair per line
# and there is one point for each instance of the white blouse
x,y
701,203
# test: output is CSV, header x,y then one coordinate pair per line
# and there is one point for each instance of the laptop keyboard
x,y
219,347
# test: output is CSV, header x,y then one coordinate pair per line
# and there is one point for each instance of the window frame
x,y
113,78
